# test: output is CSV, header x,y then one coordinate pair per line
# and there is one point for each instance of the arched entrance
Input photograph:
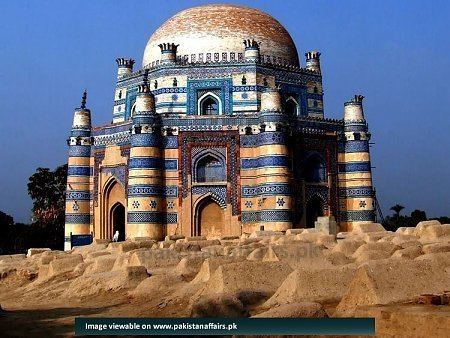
x,y
118,220
314,209
209,219
113,210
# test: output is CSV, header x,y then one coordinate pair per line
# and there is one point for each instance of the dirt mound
x,y
123,279
157,284
100,264
392,280
64,264
210,265
409,252
189,266
151,259
348,246
367,227
297,255
316,285
218,305
248,276
294,310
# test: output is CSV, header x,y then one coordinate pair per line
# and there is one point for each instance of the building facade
x,y
221,132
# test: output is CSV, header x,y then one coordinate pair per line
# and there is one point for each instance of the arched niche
x,y
209,104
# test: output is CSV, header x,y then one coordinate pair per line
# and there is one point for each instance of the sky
x,y
395,53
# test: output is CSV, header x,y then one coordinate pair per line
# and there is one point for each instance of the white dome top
x,y
222,29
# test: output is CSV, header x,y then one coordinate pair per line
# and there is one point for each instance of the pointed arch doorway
x,y
118,220
113,210
209,218
314,209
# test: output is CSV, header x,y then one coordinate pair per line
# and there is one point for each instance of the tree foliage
x,y
47,190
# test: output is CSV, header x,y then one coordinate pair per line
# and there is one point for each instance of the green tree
x,y
47,190
418,216
397,209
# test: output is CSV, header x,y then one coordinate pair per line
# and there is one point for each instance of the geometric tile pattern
x,y
267,189
152,217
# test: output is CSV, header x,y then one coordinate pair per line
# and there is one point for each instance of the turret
x,y
125,67
313,61
355,173
78,193
251,52
168,53
271,100
146,164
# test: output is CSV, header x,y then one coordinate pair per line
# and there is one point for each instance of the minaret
x,y
313,61
146,165
251,52
78,193
124,67
355,174
271,166
168,53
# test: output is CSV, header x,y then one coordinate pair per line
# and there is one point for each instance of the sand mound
x,y
348,246
189,266
257,254
436,247
248,277
392,280
123,279
297,255
157,284
64,264
315,285
294,310
210,265
100,264
367,227
218,305
409,252
87,249
151,259
421,227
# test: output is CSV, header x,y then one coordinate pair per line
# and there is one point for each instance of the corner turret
x,y
313,61
251,52
125,67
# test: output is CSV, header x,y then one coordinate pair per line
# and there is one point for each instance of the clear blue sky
x,y
395,53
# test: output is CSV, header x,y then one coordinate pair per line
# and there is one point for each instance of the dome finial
x,y
83,100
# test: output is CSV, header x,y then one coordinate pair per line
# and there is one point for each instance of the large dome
x,y
222,29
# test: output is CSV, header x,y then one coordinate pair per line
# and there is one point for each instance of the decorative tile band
x,y
267,216
152,163
114,129
218,193
80,151
356,192
153,140
360,215
170,90
80,133
267,189
145,140
354,167
153,190
80,195
79,171
353,147
78,218
152,217
266,161
249,141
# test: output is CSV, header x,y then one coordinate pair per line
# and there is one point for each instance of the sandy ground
x,y
303,273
